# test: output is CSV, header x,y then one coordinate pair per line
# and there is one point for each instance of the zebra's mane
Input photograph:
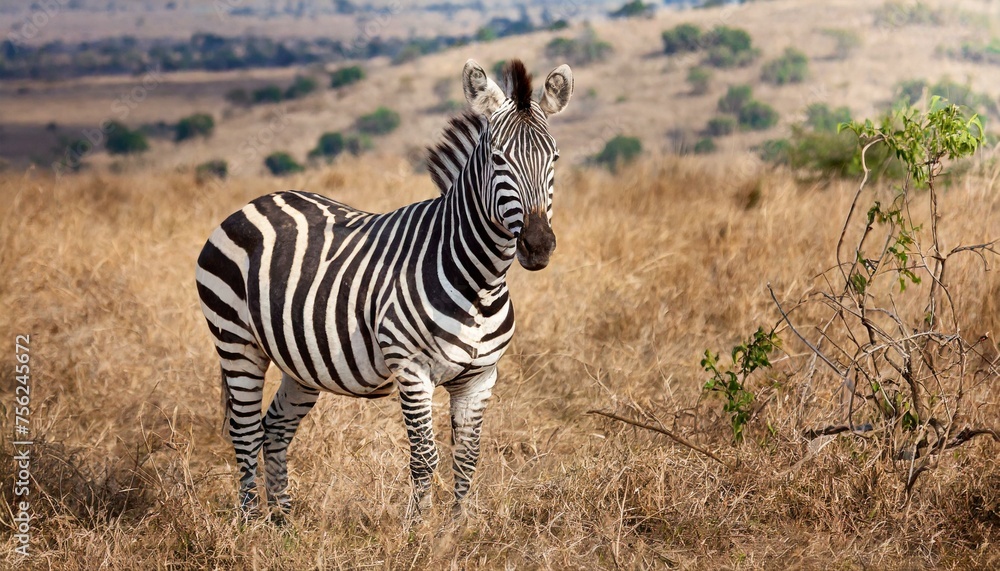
x,y
446,160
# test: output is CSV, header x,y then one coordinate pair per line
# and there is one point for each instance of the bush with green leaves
x,y
732,383
729,47
704,146
846,42
818,148
735,98
357,144
196,125
757,116
698,78
896,14
124,141
634,9
618,151
382,121
821,118
791,67
214,169
720,126
328,146
346,75
683,38
976,52
909,92
583,50
281,163
268,94
950,92
302,85
913,392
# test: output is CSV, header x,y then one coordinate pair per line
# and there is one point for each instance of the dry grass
x,y
652,268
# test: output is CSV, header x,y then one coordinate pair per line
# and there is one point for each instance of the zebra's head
x,y
523,153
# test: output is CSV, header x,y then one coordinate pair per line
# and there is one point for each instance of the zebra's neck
x,y
481,246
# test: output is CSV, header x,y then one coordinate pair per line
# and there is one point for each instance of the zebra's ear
x,y
558,90
482,93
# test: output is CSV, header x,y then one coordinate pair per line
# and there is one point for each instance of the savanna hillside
x,y
657,261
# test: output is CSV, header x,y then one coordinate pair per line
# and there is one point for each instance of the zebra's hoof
x,y
249,506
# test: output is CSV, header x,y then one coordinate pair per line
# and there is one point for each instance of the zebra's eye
x,y
555,157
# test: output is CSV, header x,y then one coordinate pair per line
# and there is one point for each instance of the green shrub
x,y
729,47
302,86
698,78
586,49
682,39
357,144
719,126
208,170
817,149
328,146
775,151
281,163
238,96
792,67
124,141
963,96
910,91
896,14
704,146
821,118
619,151
267,94
980,53
634,9
758,116
846,42
380,122
197,125
735,98
346,76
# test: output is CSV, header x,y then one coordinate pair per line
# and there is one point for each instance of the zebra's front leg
x,y
415,393
290,405
468,401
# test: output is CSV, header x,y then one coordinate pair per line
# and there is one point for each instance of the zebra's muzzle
x,y
536,242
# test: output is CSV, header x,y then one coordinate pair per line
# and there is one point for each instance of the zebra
x,y
361,304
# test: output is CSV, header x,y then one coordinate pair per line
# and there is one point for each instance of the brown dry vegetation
x,y
653,267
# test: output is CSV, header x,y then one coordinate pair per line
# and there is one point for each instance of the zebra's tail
x,y
227,410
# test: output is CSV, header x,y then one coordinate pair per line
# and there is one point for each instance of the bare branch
x,y
665,432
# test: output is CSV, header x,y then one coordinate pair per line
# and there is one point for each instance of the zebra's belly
x,y
341,358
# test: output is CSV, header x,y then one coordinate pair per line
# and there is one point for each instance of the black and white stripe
x,y
360,304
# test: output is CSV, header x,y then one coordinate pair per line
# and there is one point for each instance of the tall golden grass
x,y
654,265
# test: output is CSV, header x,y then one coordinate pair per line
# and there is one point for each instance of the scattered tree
x,y
197,125
682,39
281,163
345,76
124,141
380,122
698,78
792,67
619,151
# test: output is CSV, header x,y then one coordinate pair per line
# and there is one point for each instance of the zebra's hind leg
x,y
290,405
243,368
